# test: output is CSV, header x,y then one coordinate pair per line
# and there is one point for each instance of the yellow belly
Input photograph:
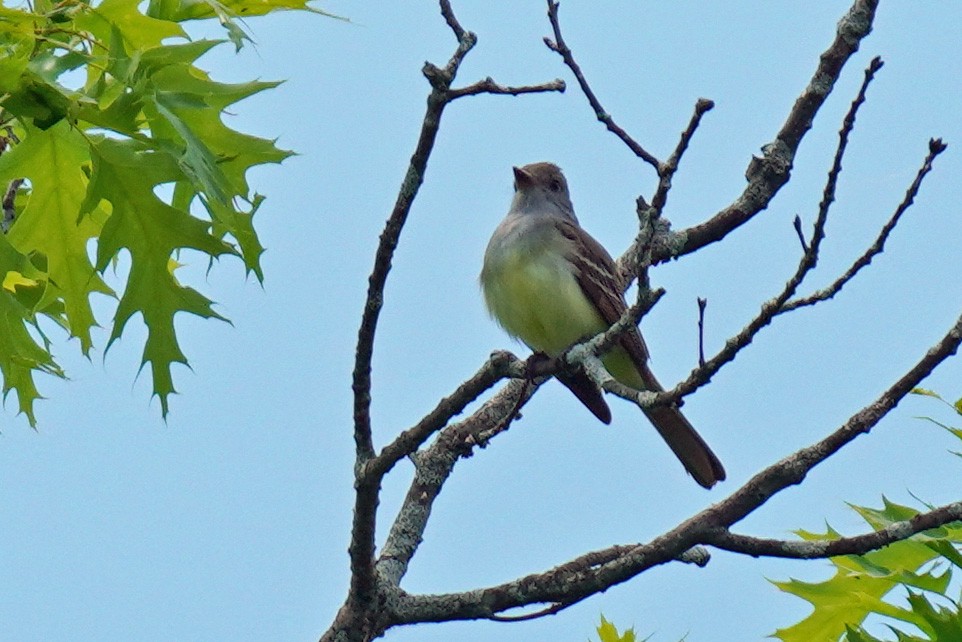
x,y
537,299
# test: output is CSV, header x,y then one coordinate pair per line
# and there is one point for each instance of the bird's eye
x,y
555,185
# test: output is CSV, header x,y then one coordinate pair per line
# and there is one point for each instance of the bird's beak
x,y
522,179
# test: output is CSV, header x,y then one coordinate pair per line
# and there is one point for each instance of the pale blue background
x,y
231,521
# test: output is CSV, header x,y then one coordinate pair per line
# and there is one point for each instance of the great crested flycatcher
x,y
550,284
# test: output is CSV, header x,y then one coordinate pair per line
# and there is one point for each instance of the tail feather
x,y
697,458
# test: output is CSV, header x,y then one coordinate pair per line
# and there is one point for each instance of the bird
x,y
550,284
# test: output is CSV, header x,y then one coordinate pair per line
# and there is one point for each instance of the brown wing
x,y
598,277
581,385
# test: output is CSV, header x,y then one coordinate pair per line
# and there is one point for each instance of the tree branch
x,y
936,147
793,469
448,13
488,86
766,175
855,545
704,372
559,46
497,367
667,171
361,549
433,466
600,570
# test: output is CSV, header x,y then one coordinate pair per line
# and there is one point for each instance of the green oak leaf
x,y
184,109
860,582
20,353
124,175
17,43
164,123
123,19
51,224
198,9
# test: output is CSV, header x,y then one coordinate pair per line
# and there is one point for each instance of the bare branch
x,y
600,570
433,466
770,309
831,183
696,555
797,224
855,545
767,175
668,169
361,548
559,46
794,468
498,366
452,21
702,304
936,147
489,86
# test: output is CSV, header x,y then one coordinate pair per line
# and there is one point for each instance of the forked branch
x,y
353,619
375,600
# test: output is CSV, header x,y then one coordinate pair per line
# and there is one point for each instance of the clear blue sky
x,y
231,520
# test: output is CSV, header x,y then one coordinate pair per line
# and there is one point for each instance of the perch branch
x,y
497,367
600,570
433,466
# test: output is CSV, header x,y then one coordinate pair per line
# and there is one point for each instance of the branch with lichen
x,y
435,444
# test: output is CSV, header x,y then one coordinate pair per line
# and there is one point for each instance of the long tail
x,y
698,459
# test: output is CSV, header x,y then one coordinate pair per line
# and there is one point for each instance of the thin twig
x,y
559,46
702,304
936,147
831,183
489,86
797,224
551,610
667,170
767,175
701,375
